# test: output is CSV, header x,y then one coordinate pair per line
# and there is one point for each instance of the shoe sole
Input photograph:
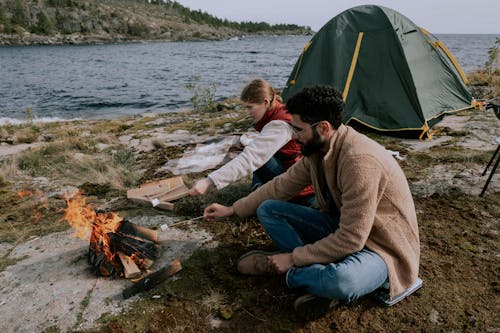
x,y
313,307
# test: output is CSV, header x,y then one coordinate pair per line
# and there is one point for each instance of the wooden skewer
x,y
181,222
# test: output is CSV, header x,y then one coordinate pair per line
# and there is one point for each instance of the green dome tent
x,y
395,77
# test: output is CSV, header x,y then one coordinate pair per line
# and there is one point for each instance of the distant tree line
x,y
46,17
249,27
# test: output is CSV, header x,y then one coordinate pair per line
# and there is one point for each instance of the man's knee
x,y
266,207
343,285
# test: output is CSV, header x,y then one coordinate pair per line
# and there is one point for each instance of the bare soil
x,y
459,255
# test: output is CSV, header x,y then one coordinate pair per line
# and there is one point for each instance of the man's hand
x,y
216,210
281,262
201,187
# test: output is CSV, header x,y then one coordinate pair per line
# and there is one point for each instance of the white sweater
x,y
272,138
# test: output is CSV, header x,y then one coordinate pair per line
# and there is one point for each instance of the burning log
x,y
153,279
137,246
134,229
117,247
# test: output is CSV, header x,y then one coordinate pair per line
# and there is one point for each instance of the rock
x,y
434,316
226,313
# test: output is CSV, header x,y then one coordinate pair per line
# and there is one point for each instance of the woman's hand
x,y
216,210
201,187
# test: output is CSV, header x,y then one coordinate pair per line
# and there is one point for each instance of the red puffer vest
x,y
289,153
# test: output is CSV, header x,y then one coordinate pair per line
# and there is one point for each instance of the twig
x,y
263,320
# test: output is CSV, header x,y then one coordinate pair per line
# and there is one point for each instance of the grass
x,y
484,86
73,156
209,295
27,134
78,159
29,216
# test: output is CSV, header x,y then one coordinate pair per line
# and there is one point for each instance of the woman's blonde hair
x,y
257,90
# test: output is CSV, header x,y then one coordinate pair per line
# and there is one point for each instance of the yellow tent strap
x,y
353,66
425,130
292,81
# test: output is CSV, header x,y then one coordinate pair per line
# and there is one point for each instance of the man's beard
x,y
312,146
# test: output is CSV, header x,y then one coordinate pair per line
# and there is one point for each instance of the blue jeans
x,y
268,171
271,169
290,226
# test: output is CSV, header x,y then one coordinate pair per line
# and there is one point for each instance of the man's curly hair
x,y
317,103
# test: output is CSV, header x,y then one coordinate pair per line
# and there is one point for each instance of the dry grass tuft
x,y
214,300
28,134
482,85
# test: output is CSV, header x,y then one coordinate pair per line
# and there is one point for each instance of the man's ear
x,y
324,128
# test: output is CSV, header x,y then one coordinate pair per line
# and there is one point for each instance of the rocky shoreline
x,y
59,22
26,38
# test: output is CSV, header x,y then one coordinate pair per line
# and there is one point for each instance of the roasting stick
x,y
165,227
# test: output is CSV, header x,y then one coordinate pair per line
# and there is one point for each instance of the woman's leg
x,y
268,171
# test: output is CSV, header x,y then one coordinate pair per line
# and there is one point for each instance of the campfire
x,y
117,247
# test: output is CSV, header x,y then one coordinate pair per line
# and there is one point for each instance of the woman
x,y
271,153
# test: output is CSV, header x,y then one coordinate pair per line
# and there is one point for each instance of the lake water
x,y
108,81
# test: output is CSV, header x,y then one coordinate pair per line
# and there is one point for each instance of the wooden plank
x,y
157,188
175,194
130,269
159,193
165,205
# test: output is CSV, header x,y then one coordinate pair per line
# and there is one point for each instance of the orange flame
x,y
85,220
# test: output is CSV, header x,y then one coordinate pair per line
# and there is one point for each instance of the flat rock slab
x,y
52,284
7,150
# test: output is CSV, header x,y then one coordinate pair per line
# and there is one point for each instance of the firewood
x,y
173,194
138,230
165,205
160,193
153,279
130,269
156,188
147,263
129,245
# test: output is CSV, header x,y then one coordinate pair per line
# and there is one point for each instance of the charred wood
x,y
153,279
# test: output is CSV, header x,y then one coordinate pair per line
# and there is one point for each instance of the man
x,y
365,235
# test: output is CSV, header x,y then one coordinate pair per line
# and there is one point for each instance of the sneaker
x,y
255,263
382,294
310,307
